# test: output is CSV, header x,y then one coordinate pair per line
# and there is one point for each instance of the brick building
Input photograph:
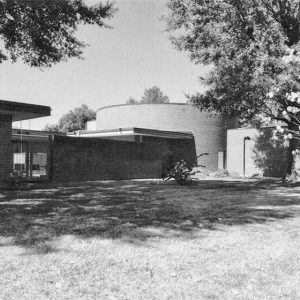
x,y
127,153
209,130
133,141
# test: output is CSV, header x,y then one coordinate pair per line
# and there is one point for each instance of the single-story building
x,y
10,112
125,153
134,141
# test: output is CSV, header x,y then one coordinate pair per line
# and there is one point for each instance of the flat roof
x,y
134,131
23,111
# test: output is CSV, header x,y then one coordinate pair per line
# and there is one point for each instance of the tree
x,y
154,95
73,120
131,100
42,32
51,128
246,43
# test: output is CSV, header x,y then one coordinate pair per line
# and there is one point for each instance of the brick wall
x,y
180,148
6,157
81,159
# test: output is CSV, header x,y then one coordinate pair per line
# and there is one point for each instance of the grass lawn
x,y
151,240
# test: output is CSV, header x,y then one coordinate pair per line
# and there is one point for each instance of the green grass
x,y
151,240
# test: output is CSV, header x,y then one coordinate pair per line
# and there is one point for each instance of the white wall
x,y
91,125
235,151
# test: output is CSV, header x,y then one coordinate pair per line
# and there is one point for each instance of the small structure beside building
x,y
10,112
240,155
253,152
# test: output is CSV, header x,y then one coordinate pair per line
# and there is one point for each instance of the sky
x,y
119,63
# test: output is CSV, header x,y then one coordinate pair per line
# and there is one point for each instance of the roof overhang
x,y
133,131
19,135
23,111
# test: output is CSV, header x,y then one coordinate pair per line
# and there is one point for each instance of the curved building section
x,y
209,130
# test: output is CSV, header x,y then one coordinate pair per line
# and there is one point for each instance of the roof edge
x,y
170,103
136,130
18,108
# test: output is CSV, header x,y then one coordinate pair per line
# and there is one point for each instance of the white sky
x,y
119,63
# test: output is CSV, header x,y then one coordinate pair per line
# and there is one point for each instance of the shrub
x,y
181,173
220,173
16,179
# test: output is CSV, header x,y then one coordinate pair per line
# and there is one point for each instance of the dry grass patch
x,y
139,240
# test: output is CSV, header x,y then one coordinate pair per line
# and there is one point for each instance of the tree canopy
x,y
152,95
42,32
73,120
131,100
246,43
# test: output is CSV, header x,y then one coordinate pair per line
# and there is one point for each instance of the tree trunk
x,y
290,171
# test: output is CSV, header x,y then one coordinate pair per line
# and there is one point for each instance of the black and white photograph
x,y
149,149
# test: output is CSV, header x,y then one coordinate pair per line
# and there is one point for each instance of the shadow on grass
x,y
136,210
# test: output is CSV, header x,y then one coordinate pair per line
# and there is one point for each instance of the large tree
x,y
42,32
245,43
153,95
73,120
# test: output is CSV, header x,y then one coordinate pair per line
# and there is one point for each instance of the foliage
x,y
16,180
73,120
221,173
131,100
42,33
51,128
247,43
182,173
152,95
267,151
292,113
